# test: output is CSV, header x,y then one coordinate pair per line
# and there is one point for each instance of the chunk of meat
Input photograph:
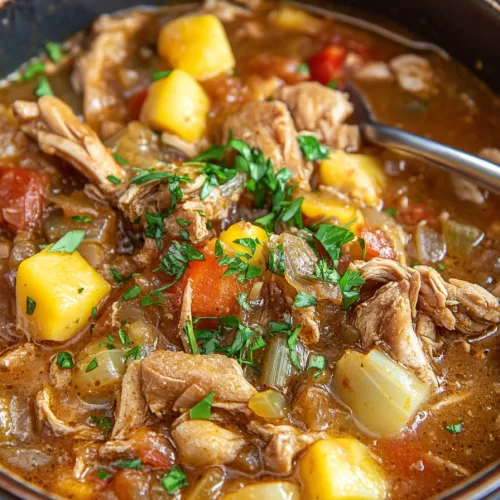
x,y
388,317
59,427
269,127
104,105
58,132
59,377
316,108
414,74
202,443
15,358
375,71
284,443
196,228
167,374
306,317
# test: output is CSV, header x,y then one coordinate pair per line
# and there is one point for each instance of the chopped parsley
x,y
174,480
94,312
134,353
188,328
54,51
202,409
392,211
277,260
124,338
183,222
243,302
33,70
43,88
80,290
92,365
158,75
455,428
333,83
116,275
312,148
133,292
104,423
333,238
65,360
303,299
104,474
81,218
317,362
236,265
69,243
114,180
250,243
349,285
441,267
30,306
120,159
303,69
134,463
155,227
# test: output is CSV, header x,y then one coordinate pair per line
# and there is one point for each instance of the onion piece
x,y
382,395
277,364
430,245
461,238
269,404
208,486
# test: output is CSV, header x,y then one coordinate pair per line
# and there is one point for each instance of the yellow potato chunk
x,y
177,104
275,490
198,45
316,206
360,176
334,469
69,487
292,19
242,230
54,282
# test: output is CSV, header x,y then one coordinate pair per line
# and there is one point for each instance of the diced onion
x,y
277,365
430,245
382,395
461,238
269,405
208,486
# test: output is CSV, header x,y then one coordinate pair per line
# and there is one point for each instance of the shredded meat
x,y
414,74
202,443
320,110
306,317
58,132
269,127
59,377
284,443
104,106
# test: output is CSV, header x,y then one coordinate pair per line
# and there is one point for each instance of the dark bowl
x,y
468,30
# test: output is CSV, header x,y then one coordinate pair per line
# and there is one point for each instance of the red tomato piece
x,y
326,65
377,243
136,103
22,197
414,213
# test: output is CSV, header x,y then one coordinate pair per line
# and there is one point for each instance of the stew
x,y
210,288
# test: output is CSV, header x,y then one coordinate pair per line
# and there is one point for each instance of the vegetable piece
x,y
382,395
247,238
326,65
430,245
22,197
461,238
177,104
197,45
317,206
203,408
69,243
174,480
313,150
377,244
269,404
69,487
208,485
361,176
275,490
455,428
52,280
135,104
334,469
107,367
277,366
289,18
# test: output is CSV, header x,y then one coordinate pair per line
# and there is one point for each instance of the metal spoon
x,y
454,161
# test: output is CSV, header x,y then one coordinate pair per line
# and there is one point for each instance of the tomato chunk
x,y
415,213
22,197
377,244
136,103
326,65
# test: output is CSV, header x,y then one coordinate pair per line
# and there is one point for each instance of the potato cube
x,y
177,104
197,45
360,176
55,294
289,18
275,490
334,469
243,230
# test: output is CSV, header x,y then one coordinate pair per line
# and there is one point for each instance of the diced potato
x,y
276,490
334,469
382,395
292,19
177,104
198,45
242,230
69,487
359,175
316,206
53,280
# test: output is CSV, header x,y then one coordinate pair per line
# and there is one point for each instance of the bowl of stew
x,y
211,287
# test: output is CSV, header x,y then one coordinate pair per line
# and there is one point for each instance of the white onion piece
x,y
430,245
461,238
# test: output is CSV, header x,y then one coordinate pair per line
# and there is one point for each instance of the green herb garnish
x,y
30,306
174,480
65,360
202,409
69,243
312,148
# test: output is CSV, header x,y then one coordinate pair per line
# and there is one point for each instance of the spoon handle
x,y
477,170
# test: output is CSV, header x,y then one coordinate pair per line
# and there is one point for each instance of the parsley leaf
x,y
393,211
133,292
69,243
441,267
92,365
124,338
292,347
250,243
134,353
303,68
65,360
303,299
455,428
81,218
312,148
54,51
188,328
158,75
332,238
277,260
236,265
135,463
349,286
202,409
116,275
183,222
30,306
43,88
104,474
316,362
242,301
104,423
120,159
114,180
142,176
155,228
333,83
174,480
33,70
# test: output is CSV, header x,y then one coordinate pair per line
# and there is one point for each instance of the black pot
x,y
469,30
